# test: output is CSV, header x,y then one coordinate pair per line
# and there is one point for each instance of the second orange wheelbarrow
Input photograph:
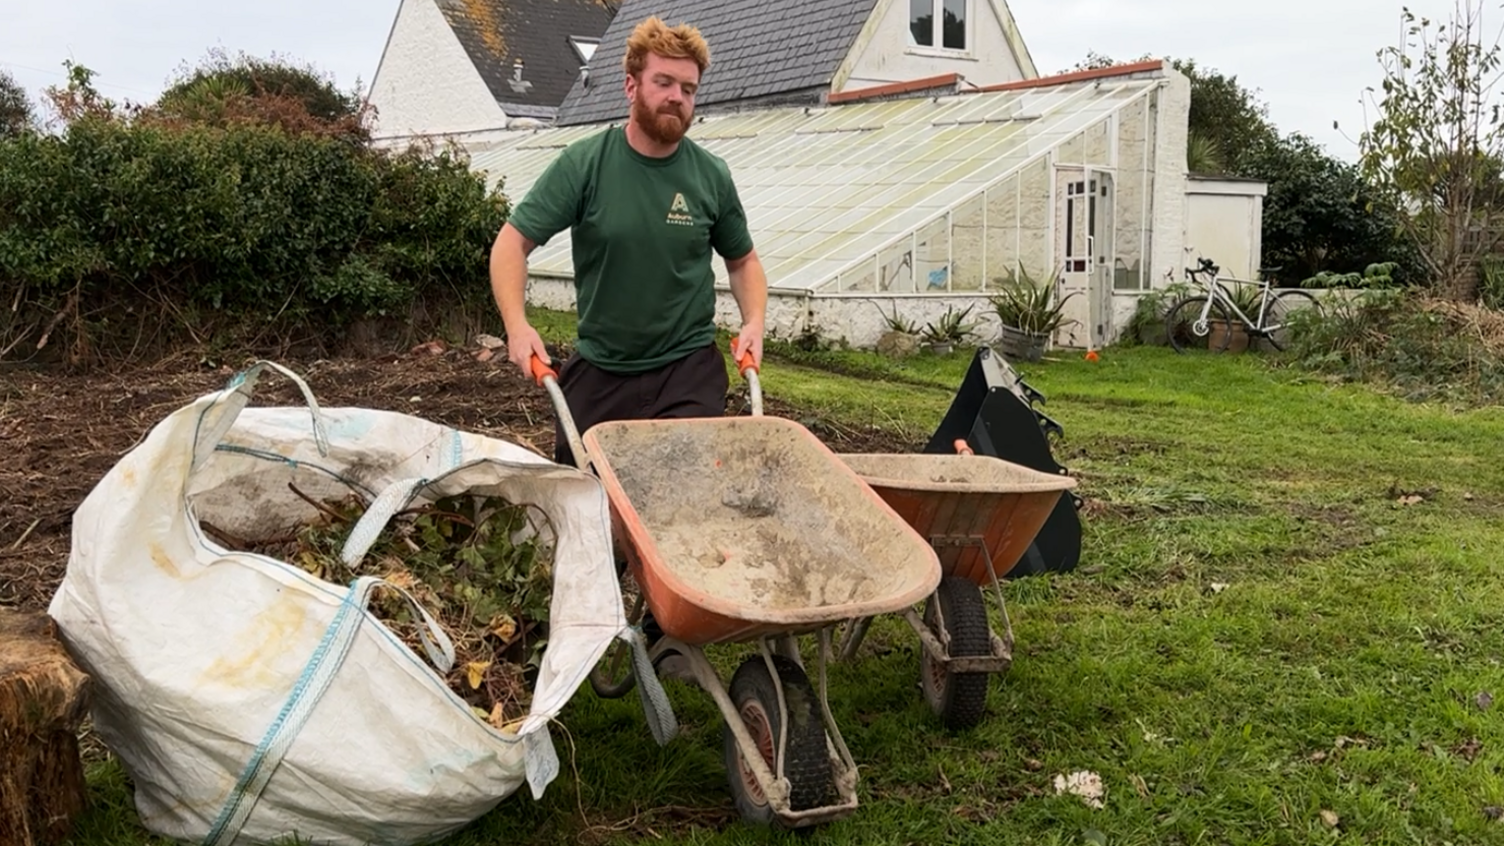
x,y
980,514
749,529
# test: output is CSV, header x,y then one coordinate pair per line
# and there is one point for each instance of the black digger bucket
x,y
994,411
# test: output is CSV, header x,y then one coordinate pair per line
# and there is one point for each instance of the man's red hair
x,y
676,42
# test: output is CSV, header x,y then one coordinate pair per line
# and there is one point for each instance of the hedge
x,y
247,222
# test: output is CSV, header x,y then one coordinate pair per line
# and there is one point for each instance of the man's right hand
x,y
522,345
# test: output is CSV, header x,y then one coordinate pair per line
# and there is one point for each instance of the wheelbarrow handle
x,y
541,370
747,366
547,377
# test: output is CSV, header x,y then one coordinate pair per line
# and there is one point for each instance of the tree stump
x,y
43,699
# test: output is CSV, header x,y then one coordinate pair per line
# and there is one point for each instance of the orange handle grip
x,y
962,447
541,370
744,361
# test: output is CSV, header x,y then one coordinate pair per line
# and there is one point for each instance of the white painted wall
x,y
1169,121
1172,110
883,55
425,83
1225,222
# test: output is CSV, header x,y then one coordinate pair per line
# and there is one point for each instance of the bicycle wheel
x,y
1283,305
1187,332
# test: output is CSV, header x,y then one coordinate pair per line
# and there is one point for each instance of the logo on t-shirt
x,y
678,213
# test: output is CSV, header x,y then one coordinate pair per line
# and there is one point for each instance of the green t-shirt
x,y
642,234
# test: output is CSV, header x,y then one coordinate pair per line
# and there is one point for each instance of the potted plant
x,y
902,336
951,329
1147,325
1029,313
1231,335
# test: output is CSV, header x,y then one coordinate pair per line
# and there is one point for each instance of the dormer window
x,y
951,32
584,47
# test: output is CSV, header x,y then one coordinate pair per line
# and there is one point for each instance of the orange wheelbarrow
x,y
980,514
750,530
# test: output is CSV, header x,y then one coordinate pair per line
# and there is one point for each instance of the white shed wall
x,y
1224,222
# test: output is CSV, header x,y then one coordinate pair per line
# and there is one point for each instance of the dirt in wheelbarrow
x,y
61,430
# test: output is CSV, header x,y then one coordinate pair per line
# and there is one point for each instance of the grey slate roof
x,y
759,50
496,33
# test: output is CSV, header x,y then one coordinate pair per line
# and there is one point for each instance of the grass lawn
x,y
1287,628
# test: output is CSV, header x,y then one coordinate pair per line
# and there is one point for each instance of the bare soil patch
x,y
61,431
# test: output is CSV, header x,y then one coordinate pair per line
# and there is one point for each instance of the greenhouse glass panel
x,y
835,195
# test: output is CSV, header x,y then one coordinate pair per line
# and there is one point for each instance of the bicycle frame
x,y
1216,292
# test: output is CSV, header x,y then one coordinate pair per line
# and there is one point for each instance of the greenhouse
x,y
929,201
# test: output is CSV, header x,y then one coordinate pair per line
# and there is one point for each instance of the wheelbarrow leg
x,y
1006,643
788,647
851,641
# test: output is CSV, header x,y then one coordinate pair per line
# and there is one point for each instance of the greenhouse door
x,y
1083,235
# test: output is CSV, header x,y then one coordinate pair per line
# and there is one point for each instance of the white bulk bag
x,y
249,701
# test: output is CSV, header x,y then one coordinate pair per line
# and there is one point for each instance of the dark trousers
x,y
693,386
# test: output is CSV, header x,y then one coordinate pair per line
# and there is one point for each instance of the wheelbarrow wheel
x,y
806,762
958,698
613,676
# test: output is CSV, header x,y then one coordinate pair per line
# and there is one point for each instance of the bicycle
x,y
1201,321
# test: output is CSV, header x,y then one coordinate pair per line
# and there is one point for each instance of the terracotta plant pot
x,y
1220,329
1022,346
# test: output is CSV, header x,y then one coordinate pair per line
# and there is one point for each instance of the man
x,y
646,208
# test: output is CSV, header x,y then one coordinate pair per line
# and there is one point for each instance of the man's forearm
x,y
509,276
749,287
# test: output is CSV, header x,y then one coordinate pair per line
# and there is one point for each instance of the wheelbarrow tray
x,y
965,504
741,527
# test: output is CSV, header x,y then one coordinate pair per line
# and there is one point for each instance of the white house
x,y
869,190
783,52
461,67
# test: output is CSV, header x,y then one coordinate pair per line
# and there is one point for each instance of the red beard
x,y
666,126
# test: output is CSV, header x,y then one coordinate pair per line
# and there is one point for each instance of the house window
x,y
950,35
584,47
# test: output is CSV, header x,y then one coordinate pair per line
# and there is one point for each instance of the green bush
x,y
218,76
1418,347
1375,276
214,228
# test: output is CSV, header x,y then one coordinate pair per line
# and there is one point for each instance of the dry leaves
x,y
1469,749
475,673
1484,323
504,627
489,344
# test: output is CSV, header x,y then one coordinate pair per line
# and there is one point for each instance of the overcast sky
x,y
1308,59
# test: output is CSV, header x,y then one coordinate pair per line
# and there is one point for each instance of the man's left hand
x,y
749,339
